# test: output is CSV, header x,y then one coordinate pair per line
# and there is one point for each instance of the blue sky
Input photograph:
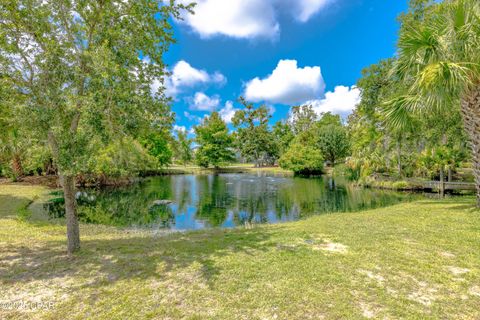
x,y
277,52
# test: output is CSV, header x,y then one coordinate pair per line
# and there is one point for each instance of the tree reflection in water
x,y
224,200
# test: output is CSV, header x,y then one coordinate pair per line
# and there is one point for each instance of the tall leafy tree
x,y
303,155
253,137
445,129
215,143
365,123
328,118
333,142
79,65
439,56
183,147
399,132
302,118
158,144
283,134
301,158
372,137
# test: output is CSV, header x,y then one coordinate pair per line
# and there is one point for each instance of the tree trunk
x,y
73,231
471,119
399,156
449,174
442,182
17,167
386,144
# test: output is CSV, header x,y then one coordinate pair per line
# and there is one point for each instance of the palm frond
x,y
420,45
463,30
398,111
444,76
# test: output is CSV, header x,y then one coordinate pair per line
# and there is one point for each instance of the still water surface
x,y
224,200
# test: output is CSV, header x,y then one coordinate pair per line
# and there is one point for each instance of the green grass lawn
x,y
418,260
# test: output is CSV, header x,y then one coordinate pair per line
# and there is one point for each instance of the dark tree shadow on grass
x,y
129,258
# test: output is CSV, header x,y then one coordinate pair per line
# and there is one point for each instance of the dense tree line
x,y
302,143
420,145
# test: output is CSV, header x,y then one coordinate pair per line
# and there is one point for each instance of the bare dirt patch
x,y
331,247
447,255
457,271
367,311
474,291
379,279
424,294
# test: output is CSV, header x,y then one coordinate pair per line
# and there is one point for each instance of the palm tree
x,y
439,57
12,150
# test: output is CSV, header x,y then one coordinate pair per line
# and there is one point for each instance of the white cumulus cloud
x,y
183,75
227,112
247,18
234,18
341,101
202,102
307,8
287,84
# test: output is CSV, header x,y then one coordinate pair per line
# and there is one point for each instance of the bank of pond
x,y
227,200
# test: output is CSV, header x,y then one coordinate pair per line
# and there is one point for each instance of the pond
x,y
189,202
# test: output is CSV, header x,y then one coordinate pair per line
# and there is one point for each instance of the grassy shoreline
x,y
92,181
233,168
413,260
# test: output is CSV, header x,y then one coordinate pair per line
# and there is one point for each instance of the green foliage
x,y
302,159
432,160
365,124
306,142
13,140
120,158
302,118
438,58
37,158
421,89
328,118
182,148
400,185
254,140
446,37
78,70
333,142
214,142
282,131
158,146
381,144
372,182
